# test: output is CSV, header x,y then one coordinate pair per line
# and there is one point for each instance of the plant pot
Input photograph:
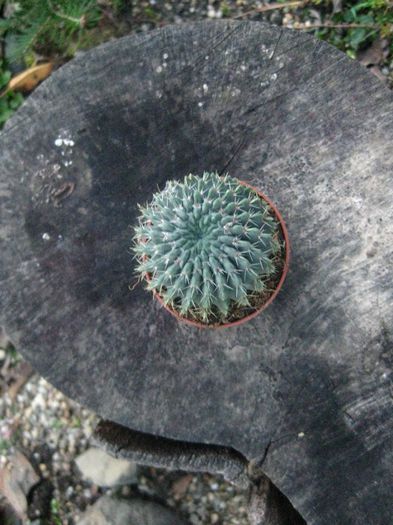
x,y
270,299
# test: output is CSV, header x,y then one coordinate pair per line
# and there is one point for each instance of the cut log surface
x,y
306,387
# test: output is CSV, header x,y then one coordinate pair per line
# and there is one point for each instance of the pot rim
x,y
250,316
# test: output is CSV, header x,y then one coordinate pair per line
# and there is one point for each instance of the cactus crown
x,y
207,245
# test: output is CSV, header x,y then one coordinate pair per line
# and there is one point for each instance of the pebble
x,y
111,511
105,470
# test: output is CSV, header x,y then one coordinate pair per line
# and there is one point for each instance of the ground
x,y
51,431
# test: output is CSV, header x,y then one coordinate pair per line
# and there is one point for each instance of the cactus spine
x,y
207,244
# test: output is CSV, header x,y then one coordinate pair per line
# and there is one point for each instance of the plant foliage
x,y
48,24
206,245
355,24
9,101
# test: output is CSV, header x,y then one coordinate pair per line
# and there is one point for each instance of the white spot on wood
x,y
357,201
200,104
205,88
266,50
46,236
159,69
64,142
301,435
165,56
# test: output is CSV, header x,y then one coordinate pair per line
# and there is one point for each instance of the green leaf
x,y
5,24
5,77
366,19
5,115
26,39
357,36
16,100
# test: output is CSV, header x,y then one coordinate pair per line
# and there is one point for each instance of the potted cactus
x,y
212,249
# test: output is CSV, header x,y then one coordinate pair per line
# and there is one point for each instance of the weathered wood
x,y
267,505
305,388
158,452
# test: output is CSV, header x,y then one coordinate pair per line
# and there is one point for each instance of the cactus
x,y
207,245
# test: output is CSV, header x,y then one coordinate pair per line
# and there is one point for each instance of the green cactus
x,y
207,245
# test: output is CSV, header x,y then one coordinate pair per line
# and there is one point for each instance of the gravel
x,y
52,431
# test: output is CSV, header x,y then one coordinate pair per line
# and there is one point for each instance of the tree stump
x,y
304,391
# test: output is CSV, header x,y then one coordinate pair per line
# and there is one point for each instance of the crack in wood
x,y
276,45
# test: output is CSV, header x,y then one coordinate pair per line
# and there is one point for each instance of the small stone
x,y
180,486
104,470
112,511
16,481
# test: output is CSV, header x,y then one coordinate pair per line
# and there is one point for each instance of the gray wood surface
x,y
305,388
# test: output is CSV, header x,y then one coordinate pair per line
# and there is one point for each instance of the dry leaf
x,y
16,480
180,486
4,339
20,374
315,16
375,70
337,6
29,79
374,54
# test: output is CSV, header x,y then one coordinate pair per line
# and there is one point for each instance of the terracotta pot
x,y
271,298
